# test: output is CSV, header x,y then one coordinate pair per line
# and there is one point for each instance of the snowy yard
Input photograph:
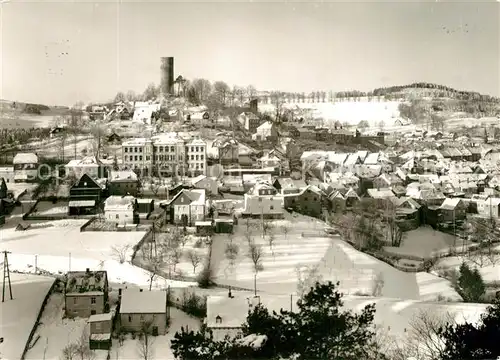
x,y
424,242
55,332
194,251
18,316
62,247
280,262
47,208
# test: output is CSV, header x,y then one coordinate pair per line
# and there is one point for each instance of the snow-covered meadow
x,y
61,246
18,316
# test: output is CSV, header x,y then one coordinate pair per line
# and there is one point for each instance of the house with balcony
x,y
86,293
144,311
121,210
263,200
187,207
85,195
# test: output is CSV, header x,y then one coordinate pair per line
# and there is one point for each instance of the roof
x,y
81,203
25,158
268,125
115,202
380,194
197,196
86,161
371,159
101,317
450,203
83,282
126,175
143,302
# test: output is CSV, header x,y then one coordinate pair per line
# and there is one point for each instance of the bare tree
x,y
146,341
270,240
267,227
154,263
251,92
120,252
378,285
154,187
255,254
278,100
79,350
97,132
61,145
183,240
194,258
285,230
173,258
231,252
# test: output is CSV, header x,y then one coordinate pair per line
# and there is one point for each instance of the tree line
x,y
320,328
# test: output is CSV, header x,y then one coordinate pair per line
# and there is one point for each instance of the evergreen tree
x,y
468,341
470,283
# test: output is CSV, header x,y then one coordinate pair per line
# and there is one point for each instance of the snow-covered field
x,y
18,316
334,260
55,332
279,272
62,247
347,111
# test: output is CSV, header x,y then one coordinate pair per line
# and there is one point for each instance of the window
x,y
125,157
161,148
172,149
271,207
140,150
192,157
117,216
129,318
93,312
135,157
147,158
140,157
75,300
126,149
135,149
201,157
197,157
93,300
142,317
197,149
201,166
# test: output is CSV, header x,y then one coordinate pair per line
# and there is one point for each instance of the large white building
x,y
167,154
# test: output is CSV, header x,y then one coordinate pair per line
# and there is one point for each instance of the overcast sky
x,y
290,46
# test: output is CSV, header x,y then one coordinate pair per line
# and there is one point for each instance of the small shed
x,y
145,206
224,226
101,327
204,228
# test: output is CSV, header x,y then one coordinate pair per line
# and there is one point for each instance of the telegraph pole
x,y
6,275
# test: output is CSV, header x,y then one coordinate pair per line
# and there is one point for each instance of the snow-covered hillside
x,y
351,112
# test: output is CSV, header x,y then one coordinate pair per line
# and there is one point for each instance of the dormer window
x,y
218,320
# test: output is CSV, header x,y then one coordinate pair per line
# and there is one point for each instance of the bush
x,y
205,278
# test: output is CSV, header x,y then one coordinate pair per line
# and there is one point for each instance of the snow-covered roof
x,y
119,203
450,203
125,175
143,302
371,159
101,317
265,126
25,158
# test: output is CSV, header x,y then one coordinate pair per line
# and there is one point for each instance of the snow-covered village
x,y
152,209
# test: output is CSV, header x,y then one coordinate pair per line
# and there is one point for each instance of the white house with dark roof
x,y
139,308
263,200
25,167
188,207
121,210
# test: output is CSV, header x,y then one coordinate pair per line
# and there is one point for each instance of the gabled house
x,y
86,293
88,165
144,310
309,201
228,151
121,210
263,200
387,181
122,183
265,131
452,209
188,207
408,212
114,138
489,208
85,195
209,184
249,121
288,185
